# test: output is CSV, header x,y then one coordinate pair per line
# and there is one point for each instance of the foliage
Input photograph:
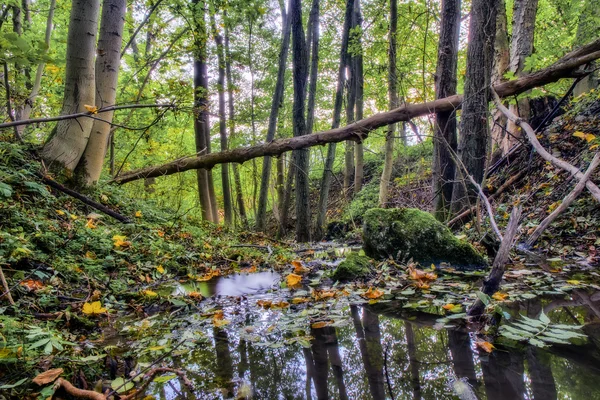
x,y
540,332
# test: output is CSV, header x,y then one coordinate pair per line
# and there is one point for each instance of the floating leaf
x,y
149,293
485,346
320,324
300,300
372,293
500,296
453,308
93,308
299,268
293,280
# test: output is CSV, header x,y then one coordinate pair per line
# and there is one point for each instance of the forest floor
x,y
99,299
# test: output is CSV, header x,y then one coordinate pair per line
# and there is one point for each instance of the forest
x,y
329,199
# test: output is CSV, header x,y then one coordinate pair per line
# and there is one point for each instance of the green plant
x,y
540,332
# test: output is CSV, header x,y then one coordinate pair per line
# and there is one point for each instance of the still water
x,y
378,351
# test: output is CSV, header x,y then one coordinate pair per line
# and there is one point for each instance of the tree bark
x,y
300,75
474,129
350,104
359,162
445,139
261,212
201,124
567,66
337,112
587,30
388,163
69,139
222,123
501,62
107,74
231,109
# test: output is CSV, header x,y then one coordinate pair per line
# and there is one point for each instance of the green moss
x,y
364,200
407,233
353,267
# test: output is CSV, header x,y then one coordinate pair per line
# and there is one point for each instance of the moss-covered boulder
x,y
405,233
353,267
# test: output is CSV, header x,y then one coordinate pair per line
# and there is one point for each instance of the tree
x,y
388,163
445,140
222,121
107,74
69,139
474,129
359,163
300,75
275,106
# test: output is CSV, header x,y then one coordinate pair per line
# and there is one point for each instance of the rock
x,y
353,267
405,233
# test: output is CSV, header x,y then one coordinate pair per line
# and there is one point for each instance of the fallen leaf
x,y
573,282
149,293
299,268
453,308
293,280
48,376
92,109
138,214
486,346
160,269
93,308
323,294
300,300
91,224
120,242
372,293
32,285
320,324
417,274
500,296
196,295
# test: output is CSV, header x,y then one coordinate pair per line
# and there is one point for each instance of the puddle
x,y
231,285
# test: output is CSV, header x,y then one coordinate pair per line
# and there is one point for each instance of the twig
x,y
387,376
6,288
594,190
570,198
84,199
81,114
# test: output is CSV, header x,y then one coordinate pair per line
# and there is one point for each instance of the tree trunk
x,y
359,163
445,140
388,164
300,75
201,104
474,129
107,74
261,214
337,111
69,139
313,53
234,167
501,62
223,123
521,47
587,30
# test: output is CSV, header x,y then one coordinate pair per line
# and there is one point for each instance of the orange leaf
x,y
486,346
299,268
323,294
264,303
218,315
195,295
417,274
32,285
48,376
372,293
293,280
448,306
300,300
500,296
92,109
320,324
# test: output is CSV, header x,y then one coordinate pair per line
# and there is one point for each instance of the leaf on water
x,y
293,280
453,308
500,296
93,308
485,346
299,268
120,386
300,300
149,293
48,376
372,293
320,324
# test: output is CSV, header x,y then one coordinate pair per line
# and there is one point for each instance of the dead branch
x,y
68,387
6,288
492,283
572,196
566,67
594,190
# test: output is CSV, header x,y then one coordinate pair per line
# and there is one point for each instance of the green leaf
x,y
537,343
39,343
485,299
5,189
164,378
553,340
13,385
544,318
120,386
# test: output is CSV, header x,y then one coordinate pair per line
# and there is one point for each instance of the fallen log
x,y
566,67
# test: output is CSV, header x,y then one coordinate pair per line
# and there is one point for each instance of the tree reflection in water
x,y
348,361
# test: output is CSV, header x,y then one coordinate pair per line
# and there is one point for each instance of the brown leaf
x,y
48,376
486,346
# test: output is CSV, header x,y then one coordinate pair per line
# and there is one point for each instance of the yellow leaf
x,y
60,212
500,296
149,293
298,268
486,346
120,242
300,300
448,306
48,376
92,109
138,214
160,269
589,137
594,146
196,295
293,280
453,308
91,224
220,322
94,308
579,134
574,282
264,303
372,293
90,254
320,324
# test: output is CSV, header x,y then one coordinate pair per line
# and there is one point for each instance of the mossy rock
x,y
405,233
352,268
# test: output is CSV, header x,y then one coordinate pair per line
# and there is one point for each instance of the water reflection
x,y
387,352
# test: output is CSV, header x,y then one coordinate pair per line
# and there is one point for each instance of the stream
x,y
375,351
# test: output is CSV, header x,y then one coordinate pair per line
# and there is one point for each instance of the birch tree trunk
x,y
445,140
69,139
300,75
474,129
275,106
388,164
107,74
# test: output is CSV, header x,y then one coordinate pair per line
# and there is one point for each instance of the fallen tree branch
x,y
6,288
52,183
81,114
492,283
566,67
565,203
591,186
